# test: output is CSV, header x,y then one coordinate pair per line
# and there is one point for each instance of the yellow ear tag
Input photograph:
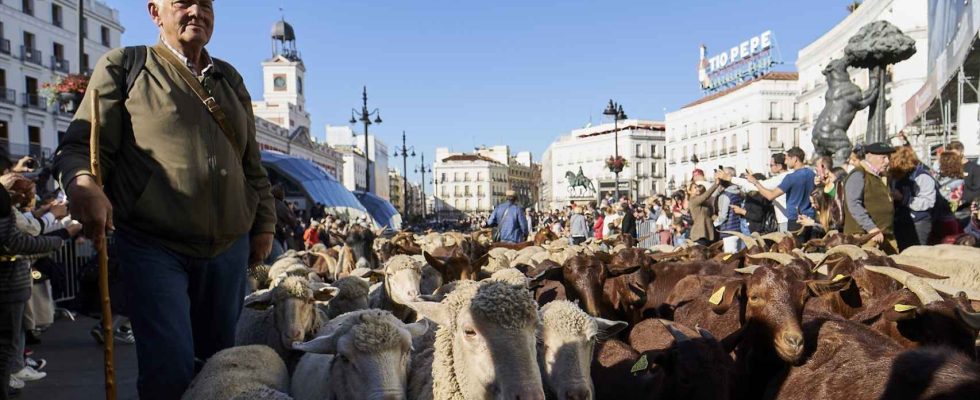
x,y
838,277
641,365
716,296
904,307
727,257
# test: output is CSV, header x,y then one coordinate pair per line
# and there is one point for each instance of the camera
x,y
30,163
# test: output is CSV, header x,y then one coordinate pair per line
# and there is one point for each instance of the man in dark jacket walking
x,y
509,216
629,220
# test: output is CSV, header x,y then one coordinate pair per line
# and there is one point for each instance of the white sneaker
x,y
29,374
16,383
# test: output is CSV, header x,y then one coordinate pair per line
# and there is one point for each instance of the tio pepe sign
x,y
734,66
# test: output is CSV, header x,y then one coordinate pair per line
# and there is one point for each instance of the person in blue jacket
x,y
509,216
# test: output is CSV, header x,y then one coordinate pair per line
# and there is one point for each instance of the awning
x,y
314,182
381,211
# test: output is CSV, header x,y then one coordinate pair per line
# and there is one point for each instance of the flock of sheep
x,y
456,316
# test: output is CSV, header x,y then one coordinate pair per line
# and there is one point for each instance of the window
x,y
30,85
796,115
3,78
466,190
85,63
443,177
105,37
34,139
724,144
773,135
58,50
27,6
639,151
56,17
4,133
29,41
796,137
774,111
653,150
455,176
714,147
466,177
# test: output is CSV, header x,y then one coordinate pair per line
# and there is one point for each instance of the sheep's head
x,y
403,276
360,240
490,329
371,351
773,300
352,295
565,348
293,302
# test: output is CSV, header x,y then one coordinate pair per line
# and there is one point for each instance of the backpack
x,y
134,58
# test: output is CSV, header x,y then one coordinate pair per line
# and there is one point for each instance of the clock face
x,y
279,82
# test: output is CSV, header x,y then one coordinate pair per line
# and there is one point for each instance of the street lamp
x,y
365,117
405,151
615,111
423,169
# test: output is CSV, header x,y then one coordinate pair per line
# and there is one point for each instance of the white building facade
x,y
39,44
343,136
911,16
469,184
641,143
740,127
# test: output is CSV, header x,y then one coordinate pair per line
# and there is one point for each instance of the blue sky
x,y
465,73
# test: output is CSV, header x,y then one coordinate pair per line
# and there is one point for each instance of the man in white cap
x,y
509,216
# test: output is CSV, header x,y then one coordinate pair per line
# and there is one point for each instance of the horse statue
x,y
843,100
579,180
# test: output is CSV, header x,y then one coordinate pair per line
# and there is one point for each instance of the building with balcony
x,y
738,127
343,136
475,183
641,143
396,189
905,78
39,44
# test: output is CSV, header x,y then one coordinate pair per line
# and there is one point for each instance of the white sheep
x,y
565,348
285,314
241,373
485,345
359,355
401,284
960,264
352,295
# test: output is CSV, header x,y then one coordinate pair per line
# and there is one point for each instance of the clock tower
x,y
283,82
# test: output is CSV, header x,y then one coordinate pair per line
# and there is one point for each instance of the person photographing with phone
x,y
797,186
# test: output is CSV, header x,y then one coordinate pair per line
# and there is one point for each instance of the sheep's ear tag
x,y
716,296
727,257
903,307
641,365
838,277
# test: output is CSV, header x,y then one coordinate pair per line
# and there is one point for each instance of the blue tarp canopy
x,y
381,211
314,182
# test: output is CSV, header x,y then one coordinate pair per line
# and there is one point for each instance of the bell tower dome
x,y
283,80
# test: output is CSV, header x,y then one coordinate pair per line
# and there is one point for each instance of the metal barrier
x,y
647,228
73,257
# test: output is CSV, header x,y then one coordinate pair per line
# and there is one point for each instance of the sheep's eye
x,y
469,332
755,299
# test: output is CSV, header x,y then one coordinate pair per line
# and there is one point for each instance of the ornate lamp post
x,y
615,111
405,151
365,117
423,169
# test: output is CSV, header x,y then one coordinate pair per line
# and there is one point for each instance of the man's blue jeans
x,y
182,308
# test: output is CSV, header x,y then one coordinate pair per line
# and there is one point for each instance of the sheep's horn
x,y
861,240
676,333
662,248
774,236
748,240
781,258
850,250
816,258
748,270
926,293
831,233
706,334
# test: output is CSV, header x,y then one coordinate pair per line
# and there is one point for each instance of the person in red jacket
x,y
312,234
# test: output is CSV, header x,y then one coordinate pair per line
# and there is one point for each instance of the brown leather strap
x,y
209,102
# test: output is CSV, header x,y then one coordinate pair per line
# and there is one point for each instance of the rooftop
x,y
469,157
771,76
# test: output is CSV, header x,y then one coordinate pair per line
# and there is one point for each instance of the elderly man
x,y
185,191
509,216
868,206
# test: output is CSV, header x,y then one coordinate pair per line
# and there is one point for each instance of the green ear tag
x,y
641,365
716,296
903,307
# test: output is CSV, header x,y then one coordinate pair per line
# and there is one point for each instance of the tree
x,y
876,46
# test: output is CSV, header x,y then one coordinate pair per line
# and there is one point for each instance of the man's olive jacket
x,y
171,173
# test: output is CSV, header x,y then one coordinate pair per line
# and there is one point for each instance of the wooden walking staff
x,y
110,373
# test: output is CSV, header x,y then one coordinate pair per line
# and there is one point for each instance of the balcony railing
x,y
30,55
773,145
5,46
34,100
8,96
684,159
745,146
672,161
714,154
60,65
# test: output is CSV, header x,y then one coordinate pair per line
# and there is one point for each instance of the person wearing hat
x,y
510,220
868,206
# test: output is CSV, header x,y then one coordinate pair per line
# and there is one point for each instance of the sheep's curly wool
x,y
400,262
374,334
507,305
567,319
512,276
260,273
496,263
351,287
293,286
